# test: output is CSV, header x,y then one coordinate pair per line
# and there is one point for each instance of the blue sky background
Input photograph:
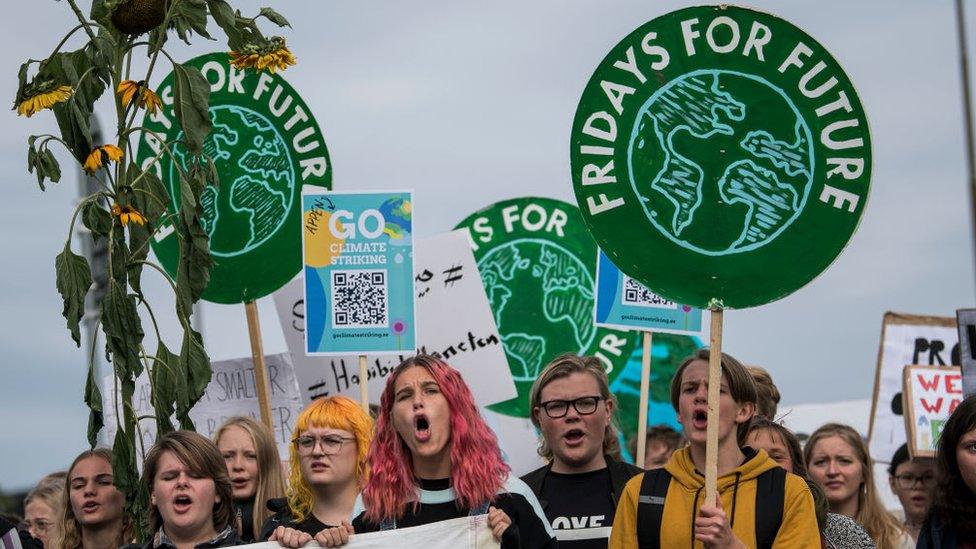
x,y
470,103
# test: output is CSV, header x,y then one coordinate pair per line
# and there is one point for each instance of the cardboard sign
x,y
459,533
265,145
905,339
231,392
727,144
454,322
931,395
625,304
966,321
538,262
358,254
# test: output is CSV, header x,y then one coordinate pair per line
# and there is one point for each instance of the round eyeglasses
x,y
331,444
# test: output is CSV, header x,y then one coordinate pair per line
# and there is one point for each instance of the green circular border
x,y
577,240
745,279
278,259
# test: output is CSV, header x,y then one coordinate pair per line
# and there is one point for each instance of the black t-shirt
x,y
528,529
580,508
283,517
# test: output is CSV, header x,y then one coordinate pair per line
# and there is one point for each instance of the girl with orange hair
x,y
328,470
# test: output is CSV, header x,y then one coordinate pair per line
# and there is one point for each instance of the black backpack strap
x,y
770,497
650,508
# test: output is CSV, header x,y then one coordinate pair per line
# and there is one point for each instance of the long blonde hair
x,y
882,526
69,530
270,482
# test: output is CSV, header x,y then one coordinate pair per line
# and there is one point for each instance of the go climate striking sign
x,y
537,263
726,144
266,145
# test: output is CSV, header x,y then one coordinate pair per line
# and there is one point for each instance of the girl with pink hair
x,y
433,458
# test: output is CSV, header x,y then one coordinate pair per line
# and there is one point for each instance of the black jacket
x,y
620,473
936,535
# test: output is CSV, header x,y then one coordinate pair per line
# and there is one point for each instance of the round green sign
x,y
537,262
266,145
720,155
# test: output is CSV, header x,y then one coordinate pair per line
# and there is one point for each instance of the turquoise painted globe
x,y
718,148
257,180
539,292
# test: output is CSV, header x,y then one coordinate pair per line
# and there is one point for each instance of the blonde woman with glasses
x,y
328,470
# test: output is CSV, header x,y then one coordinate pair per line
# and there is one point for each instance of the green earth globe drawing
x,y
257,180
539,292
759,181
397,214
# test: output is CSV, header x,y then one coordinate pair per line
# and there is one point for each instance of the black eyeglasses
x,y
559,408
331,445
908,481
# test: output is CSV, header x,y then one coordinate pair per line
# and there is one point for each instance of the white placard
x,y
231,392
454,321
905,339
459,533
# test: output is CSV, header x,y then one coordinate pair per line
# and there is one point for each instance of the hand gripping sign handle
x,y
644,390
363,384
257,358
714,386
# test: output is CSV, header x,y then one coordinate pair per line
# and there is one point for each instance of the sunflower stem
x,y
81,19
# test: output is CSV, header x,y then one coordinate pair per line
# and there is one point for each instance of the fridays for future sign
x,y
265,145
726,144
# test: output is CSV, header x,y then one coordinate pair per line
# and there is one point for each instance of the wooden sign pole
x,y
714,388
363,384
257,357
644,390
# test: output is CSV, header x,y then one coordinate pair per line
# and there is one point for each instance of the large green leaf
x,y
86,71
226,19
93,399
73,279
96,218
197,365
193,269
191,103
123,330
42,163
275,17
189,16
124,472
165,386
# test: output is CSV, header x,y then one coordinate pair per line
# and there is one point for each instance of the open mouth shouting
x,y
421,428
90,507
699,418
182,503
574,437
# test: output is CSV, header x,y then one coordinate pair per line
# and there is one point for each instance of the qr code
x,y
360,299
638,295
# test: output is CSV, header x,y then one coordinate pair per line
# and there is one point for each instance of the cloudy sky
x,y
470,103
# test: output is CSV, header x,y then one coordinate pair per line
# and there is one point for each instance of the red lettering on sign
x,y
953,383
932,408
928,385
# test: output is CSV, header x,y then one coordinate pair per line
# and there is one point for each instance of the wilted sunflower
x,y
39,96
147,98
273,55
100,156
127,214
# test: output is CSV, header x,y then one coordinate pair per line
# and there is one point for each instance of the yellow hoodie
x,y
798,529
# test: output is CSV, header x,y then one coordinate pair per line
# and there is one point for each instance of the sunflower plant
x,y
130,206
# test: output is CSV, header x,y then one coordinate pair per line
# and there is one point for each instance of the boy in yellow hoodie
x,y
759,504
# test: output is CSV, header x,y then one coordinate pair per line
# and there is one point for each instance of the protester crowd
x,y
429,456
